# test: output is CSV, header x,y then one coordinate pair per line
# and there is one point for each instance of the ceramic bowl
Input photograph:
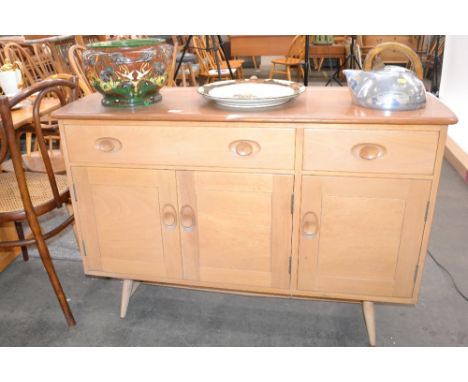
x,y
128,72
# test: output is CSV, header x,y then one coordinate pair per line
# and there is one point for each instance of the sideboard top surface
x,y
316,105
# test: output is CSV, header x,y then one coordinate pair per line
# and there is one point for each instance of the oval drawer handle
x,y
108,145
369,151
310,225
244,148
187,218
169,217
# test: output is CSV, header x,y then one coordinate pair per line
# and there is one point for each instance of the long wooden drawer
x,y
374,151
245,147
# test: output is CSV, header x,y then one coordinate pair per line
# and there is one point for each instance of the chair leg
x,y
28,143
320,64
20,232
192,76
254,61
272,71
288,71
54,280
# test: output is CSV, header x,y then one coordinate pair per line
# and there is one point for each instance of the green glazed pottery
x,y
128,72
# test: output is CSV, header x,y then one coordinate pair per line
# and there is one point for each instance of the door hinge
x,y
427,212
84,248
415,273
74,193
292,203
289,265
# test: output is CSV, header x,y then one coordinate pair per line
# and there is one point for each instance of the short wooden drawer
x,y
374,151
242,147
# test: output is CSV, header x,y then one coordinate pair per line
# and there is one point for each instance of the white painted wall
x,y
454,86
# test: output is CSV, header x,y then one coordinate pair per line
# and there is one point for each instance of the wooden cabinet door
x,y
236,228
128,221
361,236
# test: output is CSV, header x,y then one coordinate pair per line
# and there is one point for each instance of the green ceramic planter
x,y
128,73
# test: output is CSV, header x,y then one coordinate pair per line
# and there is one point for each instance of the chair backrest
x,y
409,53
45,59
32,67
297,47
9,142
75,57
83,89
204,58
173,63
2,53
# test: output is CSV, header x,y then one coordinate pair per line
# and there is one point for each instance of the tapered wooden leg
x,y
272,71
24,249
254,61
128,289
28,143
369,318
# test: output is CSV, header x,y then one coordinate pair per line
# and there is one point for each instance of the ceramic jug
x,y
10,79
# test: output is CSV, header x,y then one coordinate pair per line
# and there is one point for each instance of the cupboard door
x,y
236,228
361,236
129,221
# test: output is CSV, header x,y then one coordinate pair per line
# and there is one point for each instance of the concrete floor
x,y
158,316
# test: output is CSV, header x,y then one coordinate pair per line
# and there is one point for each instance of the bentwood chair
x,y
24,196
413,58
293,60
32,160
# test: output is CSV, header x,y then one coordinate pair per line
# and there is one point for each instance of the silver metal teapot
x,y
389,88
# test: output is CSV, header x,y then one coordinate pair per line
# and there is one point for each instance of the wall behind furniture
x,y
454,86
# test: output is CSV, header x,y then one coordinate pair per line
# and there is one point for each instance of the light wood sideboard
x,y
315,199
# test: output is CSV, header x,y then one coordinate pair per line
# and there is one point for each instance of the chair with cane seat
x,y
24,196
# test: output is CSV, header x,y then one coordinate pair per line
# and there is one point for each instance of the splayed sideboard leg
x,y
128,289
369,318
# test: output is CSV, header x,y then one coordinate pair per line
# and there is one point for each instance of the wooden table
x,y
7,231
260,45
327,51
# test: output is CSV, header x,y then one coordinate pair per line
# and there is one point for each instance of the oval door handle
x,y
108,145
244,148
310,225
369,151
187,218
169,217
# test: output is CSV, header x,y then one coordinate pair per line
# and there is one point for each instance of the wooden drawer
x,y
374,151
263,147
